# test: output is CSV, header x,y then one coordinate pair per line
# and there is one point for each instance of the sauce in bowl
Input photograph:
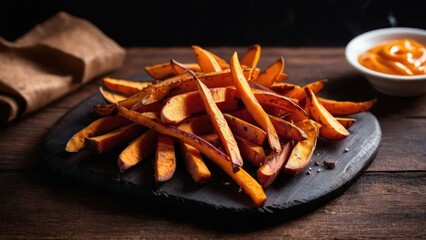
x,y
399,57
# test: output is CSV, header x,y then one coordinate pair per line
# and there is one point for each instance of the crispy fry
x,y
246,130
282,77
330,127
346,107
222,63
316,86
302,152
111,97
297,91
283,88
287,130
116,138
180,68
247,183
285,103
214,139
273,164
206,60
165,70
165,158
251,152
252,56
271,73
221,126
195,165
139,149
346,122
182,106
124,87
104,110
96,128
252,104
197,125
159,91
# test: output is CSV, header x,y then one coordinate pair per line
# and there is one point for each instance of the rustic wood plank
x,y
403,146
40,204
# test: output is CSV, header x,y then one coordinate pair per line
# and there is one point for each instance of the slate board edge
x,y
158,199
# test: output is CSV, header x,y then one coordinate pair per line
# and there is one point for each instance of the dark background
x,y
214,23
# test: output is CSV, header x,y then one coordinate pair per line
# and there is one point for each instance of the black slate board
x,y
288,197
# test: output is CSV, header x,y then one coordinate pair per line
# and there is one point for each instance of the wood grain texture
x,y
386,202
45,205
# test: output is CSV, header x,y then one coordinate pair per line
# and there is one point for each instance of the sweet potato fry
x,y
213,138
139,149
221,126
287,130
271,73
159,91
252,56
111,109
283,88
111,97
268,172
281,103
124,87
337,108
251,152
285,103
182,106
296,91
282,77
252,104
116,138
276,111
316,86
330,128
222,63
181,68
96,128
195,165
165,159
197,125
302,152
245,130
247,183
346,122
206,60
165,70
104,110
130,103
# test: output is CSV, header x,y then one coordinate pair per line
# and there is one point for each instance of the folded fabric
x,y
51,60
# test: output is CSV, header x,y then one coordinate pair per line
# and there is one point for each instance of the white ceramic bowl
x,y
386,83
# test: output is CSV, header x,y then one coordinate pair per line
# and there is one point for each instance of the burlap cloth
x,y
51,60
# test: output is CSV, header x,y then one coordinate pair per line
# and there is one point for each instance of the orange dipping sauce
x,y
400,57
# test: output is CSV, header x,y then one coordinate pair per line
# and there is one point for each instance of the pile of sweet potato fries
x,y
232,114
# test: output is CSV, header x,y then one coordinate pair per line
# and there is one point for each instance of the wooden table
x,y
387,201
